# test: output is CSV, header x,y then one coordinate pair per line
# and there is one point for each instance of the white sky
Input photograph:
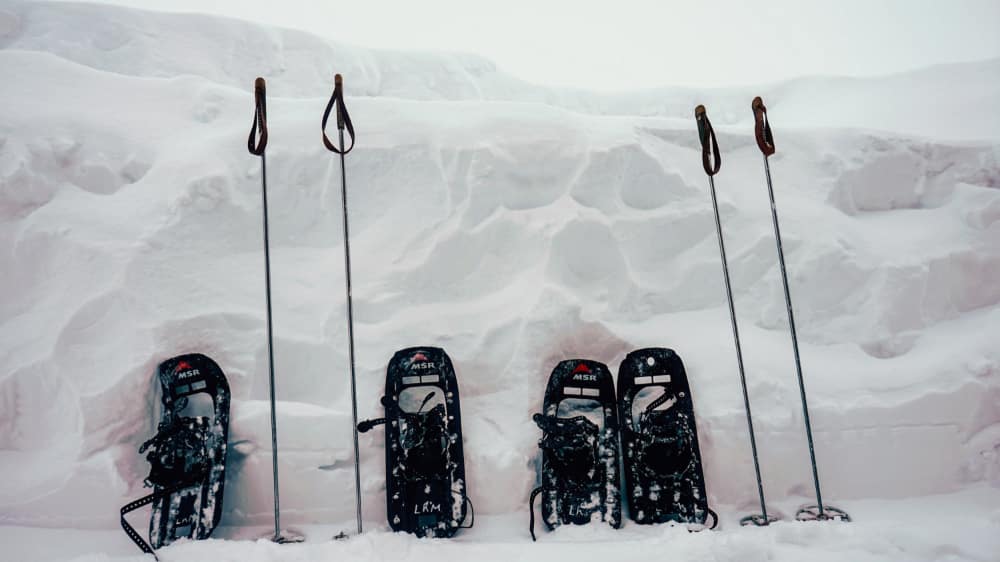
x,y
631,44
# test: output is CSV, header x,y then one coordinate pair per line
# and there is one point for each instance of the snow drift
x,y
510,224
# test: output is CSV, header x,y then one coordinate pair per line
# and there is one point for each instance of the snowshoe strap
x,y
366,425
662,444
143,501
715,518
178,452
710,158
761,127
343,118
531,510
564,426
259,120
471,510
426,400
424,442
570,444
667,395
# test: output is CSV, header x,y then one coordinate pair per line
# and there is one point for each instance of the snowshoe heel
x,y
579,460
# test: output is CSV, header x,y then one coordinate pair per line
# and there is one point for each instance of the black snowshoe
x,y
579,469
663,470
187,455
426,492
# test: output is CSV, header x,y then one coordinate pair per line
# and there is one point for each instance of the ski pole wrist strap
x,y
761,127
255,144
711,160
343,117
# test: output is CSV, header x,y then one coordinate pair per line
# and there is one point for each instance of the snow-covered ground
x,y
515,226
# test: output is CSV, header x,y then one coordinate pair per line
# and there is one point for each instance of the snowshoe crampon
x,y
187,455
426,493
663,471
579,468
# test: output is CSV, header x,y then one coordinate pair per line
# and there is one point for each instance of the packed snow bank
x,y
510,232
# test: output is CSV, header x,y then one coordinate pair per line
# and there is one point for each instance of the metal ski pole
x,y
765,141
257,145
711,162
344,120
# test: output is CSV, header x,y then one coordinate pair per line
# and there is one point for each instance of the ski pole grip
x,y
761,127
338,85
256,144
343,117
711,160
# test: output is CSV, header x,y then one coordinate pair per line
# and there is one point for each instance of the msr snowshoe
x,y
426,493
579,444
663,470
187,455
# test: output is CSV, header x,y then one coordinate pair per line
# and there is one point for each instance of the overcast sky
x,y
631,44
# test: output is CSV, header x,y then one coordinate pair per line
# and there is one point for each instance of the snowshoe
x,y
579,468
187,455
426,493
663,470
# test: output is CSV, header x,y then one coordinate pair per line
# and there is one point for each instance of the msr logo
x,y
183,371
582,373
419,362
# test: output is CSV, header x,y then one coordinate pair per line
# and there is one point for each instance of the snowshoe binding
x,y
663,471
426,493
579,465
187,455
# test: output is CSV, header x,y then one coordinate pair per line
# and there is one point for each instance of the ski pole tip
x,y
338,80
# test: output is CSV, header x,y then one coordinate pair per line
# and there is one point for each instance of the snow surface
x,y
515,226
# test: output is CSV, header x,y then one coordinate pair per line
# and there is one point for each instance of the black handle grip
x,y
711,160
761,127
255,144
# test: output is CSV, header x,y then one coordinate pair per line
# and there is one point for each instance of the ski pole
x,y
711,161
344,120
257,146
765,141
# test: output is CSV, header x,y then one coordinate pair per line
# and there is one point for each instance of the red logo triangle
x,y
418,357
581,368
182,366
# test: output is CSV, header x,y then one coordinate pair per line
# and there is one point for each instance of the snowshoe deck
x,y
663,469
187,455
426,493
579,466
